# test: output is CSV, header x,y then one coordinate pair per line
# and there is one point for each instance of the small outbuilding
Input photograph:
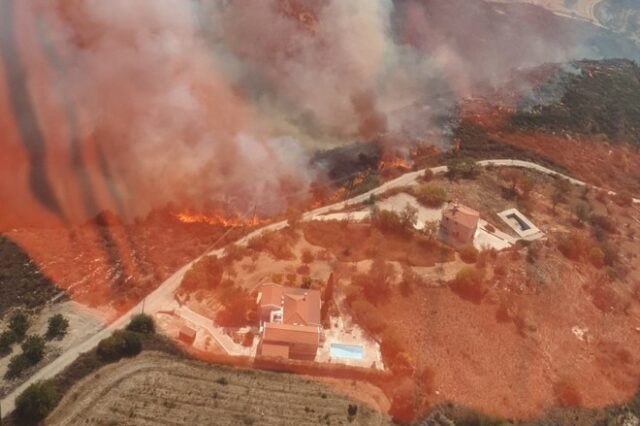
x,y
187,335
458,225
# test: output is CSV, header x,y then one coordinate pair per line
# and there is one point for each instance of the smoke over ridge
x,y
134,104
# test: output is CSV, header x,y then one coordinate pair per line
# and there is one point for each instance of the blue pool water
x,y
338,350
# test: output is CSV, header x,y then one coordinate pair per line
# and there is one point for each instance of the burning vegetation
x,y
121,136
220,219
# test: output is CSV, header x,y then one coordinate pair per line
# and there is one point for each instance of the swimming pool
x,y
339,350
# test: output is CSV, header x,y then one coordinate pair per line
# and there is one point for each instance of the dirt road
x,y
163,295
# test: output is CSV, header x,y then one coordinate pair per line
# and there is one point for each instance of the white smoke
x,y
207,99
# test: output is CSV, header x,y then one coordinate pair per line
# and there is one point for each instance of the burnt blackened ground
x,y
343,163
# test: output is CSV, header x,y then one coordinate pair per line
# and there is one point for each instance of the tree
x,y
513,178
142,323
469,254
431,230
409,216
327,297
33,349
431,195
121,343
352,411
410,279
58,326
464,168
36,402
376,284
206,273
239,308
561,189
307,282
19,324
17,364
7,338
469,284
388,221
582,211
571,245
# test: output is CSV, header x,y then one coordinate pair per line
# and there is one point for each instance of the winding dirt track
x,y
161,296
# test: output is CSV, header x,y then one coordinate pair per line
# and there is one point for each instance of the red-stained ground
x,y
491,366
113,267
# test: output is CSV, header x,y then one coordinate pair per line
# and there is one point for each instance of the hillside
x,y
622,16
592,98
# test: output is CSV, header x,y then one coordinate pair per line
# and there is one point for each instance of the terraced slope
x,y
157,389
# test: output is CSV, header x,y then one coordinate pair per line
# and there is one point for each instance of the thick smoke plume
x,y
128,105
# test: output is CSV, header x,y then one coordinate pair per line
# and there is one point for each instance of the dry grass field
x,y
156,388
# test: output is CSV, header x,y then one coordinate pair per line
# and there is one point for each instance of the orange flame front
x,y
394,163
217,218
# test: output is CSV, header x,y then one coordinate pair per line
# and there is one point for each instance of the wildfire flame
x,y
394,163
218,218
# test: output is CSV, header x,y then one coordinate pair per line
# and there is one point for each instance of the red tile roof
x,y
302,307
287,334
187,334
271,295
462,215
275,350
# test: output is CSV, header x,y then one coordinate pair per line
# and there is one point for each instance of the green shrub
x,y
206,273
18,323
386,220
431,195
352,410
469,285
58,326
122,343
571,246
582,211
36,402
469,254
7,338
33,349
238,307
142,323
17,364
464,168
604,223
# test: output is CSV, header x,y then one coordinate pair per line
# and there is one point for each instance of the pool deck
x,y
533,233
346,333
